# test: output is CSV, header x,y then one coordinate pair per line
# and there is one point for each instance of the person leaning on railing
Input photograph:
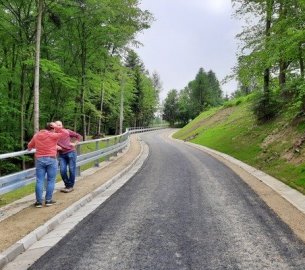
x,y
45,143
67,157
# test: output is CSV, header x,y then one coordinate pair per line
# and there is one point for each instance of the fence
x,y
104,148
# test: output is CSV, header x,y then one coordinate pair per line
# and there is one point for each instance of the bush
x,y
265,106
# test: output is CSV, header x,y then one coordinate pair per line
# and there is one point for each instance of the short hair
x,y
49,126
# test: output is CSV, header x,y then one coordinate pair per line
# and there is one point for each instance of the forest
x,y
89,75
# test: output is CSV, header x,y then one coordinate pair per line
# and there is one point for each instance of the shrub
x,y
265,106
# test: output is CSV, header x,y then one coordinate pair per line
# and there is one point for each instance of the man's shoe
x,y
67,190
64,190
50,203
38,204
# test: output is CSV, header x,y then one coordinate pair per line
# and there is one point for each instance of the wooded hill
x,y
275,147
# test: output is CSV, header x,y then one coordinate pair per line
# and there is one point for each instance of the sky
x,y
187,35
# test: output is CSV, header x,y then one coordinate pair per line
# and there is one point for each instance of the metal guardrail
x,y
114,144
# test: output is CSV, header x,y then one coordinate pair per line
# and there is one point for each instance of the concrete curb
x,y
22,245
296,198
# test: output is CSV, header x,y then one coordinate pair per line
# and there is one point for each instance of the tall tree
x,y
170,107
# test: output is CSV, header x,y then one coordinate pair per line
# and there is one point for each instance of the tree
x,y
170,108
205,91
145,90
157,83
185,108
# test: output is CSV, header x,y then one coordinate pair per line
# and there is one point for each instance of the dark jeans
x,y
68,161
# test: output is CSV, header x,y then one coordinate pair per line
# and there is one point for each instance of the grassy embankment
x,y
270,147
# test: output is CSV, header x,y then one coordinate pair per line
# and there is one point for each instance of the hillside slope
x,y
275,147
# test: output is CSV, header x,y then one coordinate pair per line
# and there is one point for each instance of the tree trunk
x,y
301,61
37,65
122,106
282,62
101,109
22,103
267,33
282,74
83,76
89,125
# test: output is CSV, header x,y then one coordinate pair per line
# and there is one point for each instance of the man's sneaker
x,y
50,203
38,204
63,190
67,190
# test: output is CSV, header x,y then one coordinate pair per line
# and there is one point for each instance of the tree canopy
x,y
200,94
271,59
84,61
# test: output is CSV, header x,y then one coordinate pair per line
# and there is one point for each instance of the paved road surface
x,y
182,210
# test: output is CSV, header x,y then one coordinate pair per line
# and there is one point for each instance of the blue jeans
x,y
45,166
68,160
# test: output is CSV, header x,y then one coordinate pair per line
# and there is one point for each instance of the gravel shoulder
x,y
287,212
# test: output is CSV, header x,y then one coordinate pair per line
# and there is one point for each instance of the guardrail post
x,y
107,145
78,151
115,142
97,164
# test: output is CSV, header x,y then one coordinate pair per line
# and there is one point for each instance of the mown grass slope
x,y
275,147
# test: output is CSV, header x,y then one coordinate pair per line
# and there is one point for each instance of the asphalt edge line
x,y
294,197
23,244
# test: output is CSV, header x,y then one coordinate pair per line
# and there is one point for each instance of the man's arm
x,y
59,132
75,135
31,144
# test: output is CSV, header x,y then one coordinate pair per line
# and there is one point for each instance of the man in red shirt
x,y
67,157
45,143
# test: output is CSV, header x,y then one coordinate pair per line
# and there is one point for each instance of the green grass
x,y
232,129
16,194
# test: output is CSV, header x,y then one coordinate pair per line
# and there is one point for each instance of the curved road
x,y
182,210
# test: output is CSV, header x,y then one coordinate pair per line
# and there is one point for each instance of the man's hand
x,y
53,125
58,148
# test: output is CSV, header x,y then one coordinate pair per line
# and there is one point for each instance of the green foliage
x,y
236,101
266,106
145,93
201,94
271,55
54,70
297,104
82,52
234,130
205,91
170,107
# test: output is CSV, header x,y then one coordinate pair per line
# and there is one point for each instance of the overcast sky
x,y
187,35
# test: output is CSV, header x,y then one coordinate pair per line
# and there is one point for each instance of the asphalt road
x,y
182,210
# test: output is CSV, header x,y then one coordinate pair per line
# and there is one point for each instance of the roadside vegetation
x,y
93,80
262,122
275,147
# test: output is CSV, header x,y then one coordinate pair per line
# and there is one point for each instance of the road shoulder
x,y
18,225
287,203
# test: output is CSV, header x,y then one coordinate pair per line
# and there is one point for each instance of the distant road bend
x,y
182,210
